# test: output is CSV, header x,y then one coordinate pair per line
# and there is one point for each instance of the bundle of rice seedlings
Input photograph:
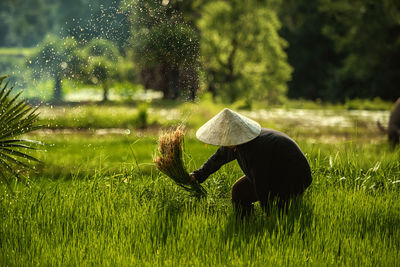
x,y
170,161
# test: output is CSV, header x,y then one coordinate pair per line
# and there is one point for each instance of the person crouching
x,y
274,167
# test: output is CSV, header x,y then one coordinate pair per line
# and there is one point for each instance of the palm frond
x,y
16,118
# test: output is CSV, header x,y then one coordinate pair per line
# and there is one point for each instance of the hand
x,y
192,179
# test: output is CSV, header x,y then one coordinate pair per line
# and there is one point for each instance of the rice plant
x,y
170,161
16,118
110,213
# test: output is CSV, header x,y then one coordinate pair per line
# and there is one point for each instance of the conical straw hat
x,y
228,128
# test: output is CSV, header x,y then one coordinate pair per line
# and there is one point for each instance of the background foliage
x,y
243,52
318,49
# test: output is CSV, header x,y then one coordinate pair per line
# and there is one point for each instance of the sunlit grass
x,y
99,200
122,115
123,212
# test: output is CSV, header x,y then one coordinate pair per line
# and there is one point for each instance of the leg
x,y
285,189
243,196
393,138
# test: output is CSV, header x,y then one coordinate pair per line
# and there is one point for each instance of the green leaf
x,y
16,118
15,161
19,154
2,78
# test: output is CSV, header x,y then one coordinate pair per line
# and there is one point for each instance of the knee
x,y
243,192
240,195
241,202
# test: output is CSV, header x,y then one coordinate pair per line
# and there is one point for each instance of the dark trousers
x,y
244,195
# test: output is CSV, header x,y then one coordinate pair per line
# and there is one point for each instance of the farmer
x,y
274,166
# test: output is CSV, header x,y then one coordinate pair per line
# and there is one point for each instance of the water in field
x,y
304,117
320,118
325,126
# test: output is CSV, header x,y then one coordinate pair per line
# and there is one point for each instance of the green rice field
x,y
98,199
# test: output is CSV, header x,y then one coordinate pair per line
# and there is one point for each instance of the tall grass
x,y
136,216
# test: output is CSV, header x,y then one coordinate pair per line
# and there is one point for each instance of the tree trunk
x,y
105,92
189,81
175,82
192,95
230,78
212,80
164,78
57,93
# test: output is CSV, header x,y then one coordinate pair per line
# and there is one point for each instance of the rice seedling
x,y
170,161
117,216
90,204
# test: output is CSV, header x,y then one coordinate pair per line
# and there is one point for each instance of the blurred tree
x,y
310,53
102,63
93,19
58,58
25,23
166,47
368,33
242,53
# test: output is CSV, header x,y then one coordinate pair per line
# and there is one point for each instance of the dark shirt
x,y
272,161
